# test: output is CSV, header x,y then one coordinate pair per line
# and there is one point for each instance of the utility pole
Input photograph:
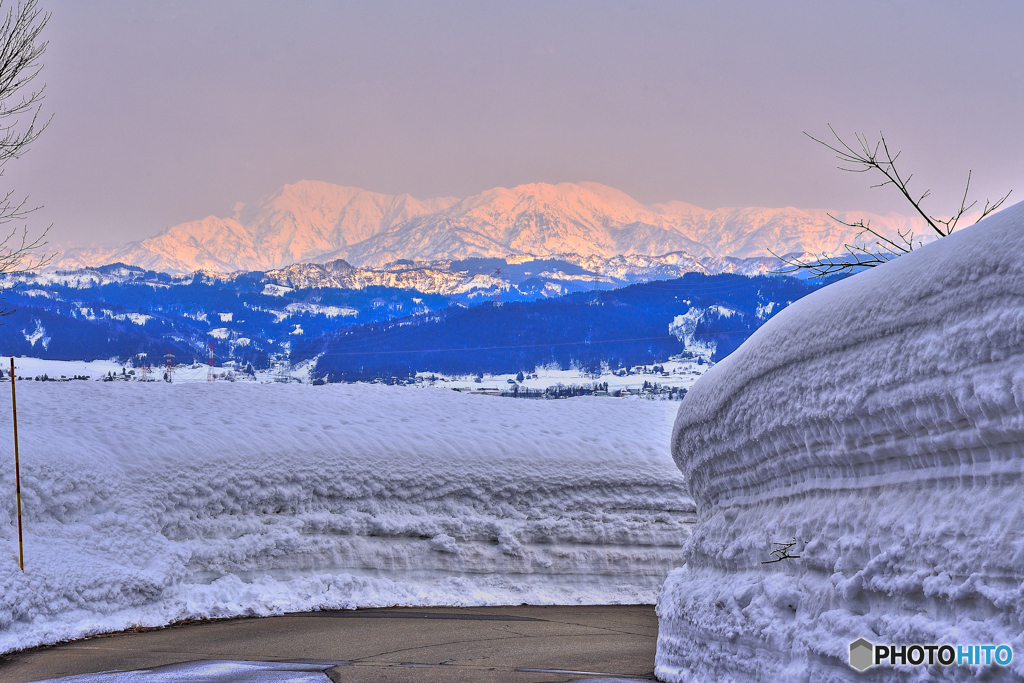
x,y
17,469
209,373
168,365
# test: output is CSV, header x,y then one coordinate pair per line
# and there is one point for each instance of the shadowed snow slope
x,y
878,423
148,503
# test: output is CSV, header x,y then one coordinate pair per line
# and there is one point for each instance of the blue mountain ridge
x,y
138,316
620,328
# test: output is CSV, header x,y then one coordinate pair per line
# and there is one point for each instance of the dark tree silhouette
x,y
21,124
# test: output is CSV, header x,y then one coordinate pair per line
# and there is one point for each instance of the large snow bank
x,y
147,503
878,422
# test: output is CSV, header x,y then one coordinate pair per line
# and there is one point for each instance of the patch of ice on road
x,y
213,672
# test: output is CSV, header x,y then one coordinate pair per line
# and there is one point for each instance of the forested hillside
x,y
138,317
696,315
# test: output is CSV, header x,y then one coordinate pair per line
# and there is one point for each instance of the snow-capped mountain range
x,y
318,222
515,278
555,276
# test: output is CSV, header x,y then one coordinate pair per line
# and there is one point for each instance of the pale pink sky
x,y
167,112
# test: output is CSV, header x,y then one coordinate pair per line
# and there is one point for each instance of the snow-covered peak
x,y
677,208
318,221
309,218
588,204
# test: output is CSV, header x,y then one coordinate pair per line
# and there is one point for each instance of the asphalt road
x,y
515,644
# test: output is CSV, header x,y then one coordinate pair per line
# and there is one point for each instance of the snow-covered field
x,y
673,373
98,369
681,373
877,424
151,502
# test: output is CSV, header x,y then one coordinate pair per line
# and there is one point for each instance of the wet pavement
x,y
515,644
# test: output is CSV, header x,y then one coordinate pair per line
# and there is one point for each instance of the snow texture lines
x,y
877,423
149,503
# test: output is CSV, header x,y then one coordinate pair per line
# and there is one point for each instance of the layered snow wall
x,y
149,503
877,423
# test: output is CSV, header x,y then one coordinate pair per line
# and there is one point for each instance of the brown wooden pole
x,y
17,468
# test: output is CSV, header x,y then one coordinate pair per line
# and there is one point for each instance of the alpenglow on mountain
x,y
317,222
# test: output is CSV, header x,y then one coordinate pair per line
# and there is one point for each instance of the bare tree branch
x,y
21,124
877,248
781,552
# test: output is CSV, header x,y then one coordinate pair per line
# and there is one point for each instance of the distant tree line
x,y
585,330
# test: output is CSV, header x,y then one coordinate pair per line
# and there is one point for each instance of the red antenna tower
x,y
497,297
169,364
209,372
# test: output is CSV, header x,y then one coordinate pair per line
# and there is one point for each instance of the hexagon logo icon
x,y
862,654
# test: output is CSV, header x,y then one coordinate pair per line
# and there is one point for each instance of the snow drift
x,y
878,423
148,503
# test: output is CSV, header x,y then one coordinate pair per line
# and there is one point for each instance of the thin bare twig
x,y
21,124
878,249
781,552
